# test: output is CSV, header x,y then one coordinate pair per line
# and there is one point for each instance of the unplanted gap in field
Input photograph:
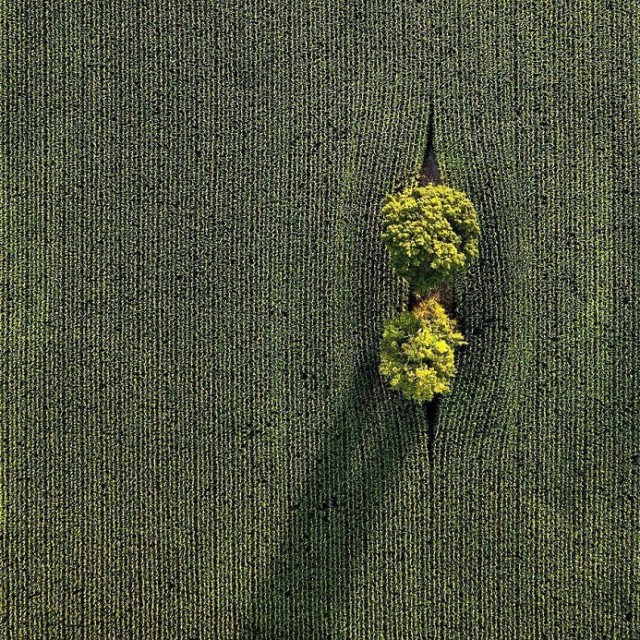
x,y
429,173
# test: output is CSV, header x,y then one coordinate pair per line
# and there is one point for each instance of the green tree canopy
x,y
431,232
417,351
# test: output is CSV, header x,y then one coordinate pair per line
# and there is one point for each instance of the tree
x,y
417,351
431,233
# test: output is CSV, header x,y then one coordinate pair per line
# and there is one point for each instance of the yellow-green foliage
x,y
417,351
431,232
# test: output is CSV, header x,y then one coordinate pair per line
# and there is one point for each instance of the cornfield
x,y
196,441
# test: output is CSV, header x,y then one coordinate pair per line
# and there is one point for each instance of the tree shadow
x,y
311,576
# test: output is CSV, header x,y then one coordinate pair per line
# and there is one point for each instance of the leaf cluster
x,y
417,351
431,233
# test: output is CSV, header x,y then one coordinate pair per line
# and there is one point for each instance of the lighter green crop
x,y
417,351
431,233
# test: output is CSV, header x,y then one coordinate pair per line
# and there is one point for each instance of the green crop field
x,y
195,439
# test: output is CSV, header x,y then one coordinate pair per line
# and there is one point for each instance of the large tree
x,y
417,351
431,233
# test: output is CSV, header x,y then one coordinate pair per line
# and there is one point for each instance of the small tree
x,y
417,351
431,232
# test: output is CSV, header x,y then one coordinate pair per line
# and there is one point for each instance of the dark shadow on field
x,y
364,446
